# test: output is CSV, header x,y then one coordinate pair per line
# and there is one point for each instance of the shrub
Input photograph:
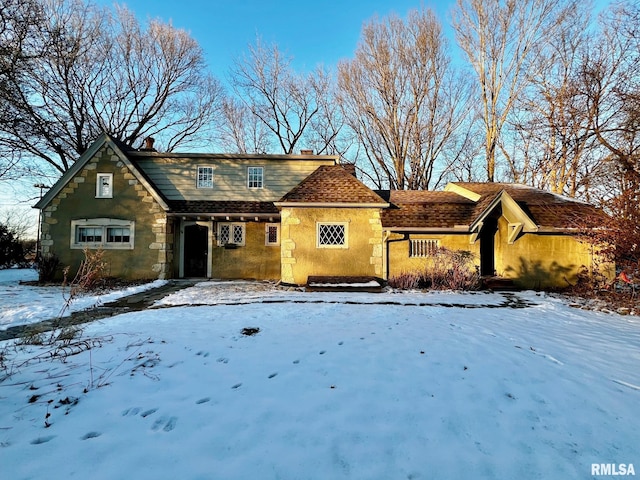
x,y
11,251
445,270
47,267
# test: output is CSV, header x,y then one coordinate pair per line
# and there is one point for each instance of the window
x,y
105,233
231,233
423,247
205,177
104,185
255,177
89,234
272,234
118,235
332,235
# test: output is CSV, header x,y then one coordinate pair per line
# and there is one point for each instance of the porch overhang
x,y
227,216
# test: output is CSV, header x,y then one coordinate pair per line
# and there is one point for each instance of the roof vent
x,y
306,152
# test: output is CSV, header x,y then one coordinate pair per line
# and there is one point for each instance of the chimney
x,y
350,167
306,152
148,144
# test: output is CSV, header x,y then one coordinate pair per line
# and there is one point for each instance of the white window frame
x,y
103,225
232,226
200,181
255,180
320,244
423,247
266,234
101,192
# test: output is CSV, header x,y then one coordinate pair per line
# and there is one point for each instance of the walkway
x,y
131,303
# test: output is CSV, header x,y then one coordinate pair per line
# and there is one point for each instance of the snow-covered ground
x,y
333,386
25,304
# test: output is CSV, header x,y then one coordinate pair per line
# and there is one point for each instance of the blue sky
x,y
317,32
313,33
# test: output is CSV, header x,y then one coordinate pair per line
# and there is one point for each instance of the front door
x,y
196,248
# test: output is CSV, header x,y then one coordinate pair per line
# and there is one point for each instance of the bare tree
x,y
19,25
285,101
240,130
551,137
610,84
500,38
402,99
102,71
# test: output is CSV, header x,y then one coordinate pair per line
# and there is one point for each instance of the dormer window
x,y
255,177
205,177
104,185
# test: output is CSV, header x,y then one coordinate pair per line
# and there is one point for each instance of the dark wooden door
x,y
196,247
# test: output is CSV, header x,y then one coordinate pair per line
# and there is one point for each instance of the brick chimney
x,y
148,144
350,167
306,152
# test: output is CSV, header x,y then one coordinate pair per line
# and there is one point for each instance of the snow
x,y
333,386
26,304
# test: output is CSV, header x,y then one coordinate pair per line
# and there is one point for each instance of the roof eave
x,y
454,229
331,204
214,215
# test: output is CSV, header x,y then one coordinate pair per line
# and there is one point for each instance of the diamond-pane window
x,y
231,233
238,234
332,235
272,234
223,233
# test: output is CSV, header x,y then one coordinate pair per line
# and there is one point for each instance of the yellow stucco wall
x,y
152,254
534,260
398,251
537,260
301,256
254,260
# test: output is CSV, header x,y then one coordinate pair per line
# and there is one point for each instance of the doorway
x,y
195,256
488,247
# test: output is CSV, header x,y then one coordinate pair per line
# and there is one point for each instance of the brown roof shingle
x,y
545,208
205,207
332,184
426,209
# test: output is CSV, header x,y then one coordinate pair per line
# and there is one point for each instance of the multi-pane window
x,y
205,177
272,234
107,233
332,235
118,234
423,247
89,234
231,233
255,177
104,185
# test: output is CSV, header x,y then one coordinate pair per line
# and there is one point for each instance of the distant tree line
x,y
546,94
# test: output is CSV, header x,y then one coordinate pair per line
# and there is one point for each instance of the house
x,y
288,217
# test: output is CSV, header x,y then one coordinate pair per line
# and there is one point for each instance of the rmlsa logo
x,y
611,469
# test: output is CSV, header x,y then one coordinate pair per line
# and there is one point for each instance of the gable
x,y
104,142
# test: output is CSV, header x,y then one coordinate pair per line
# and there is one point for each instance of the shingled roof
x,y
426,209
332,184
546,209
212,208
